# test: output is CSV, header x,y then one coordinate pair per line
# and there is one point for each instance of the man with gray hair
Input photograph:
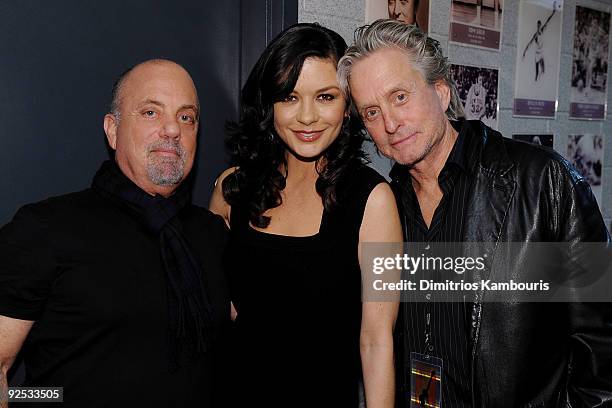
x,y
116,293
460,181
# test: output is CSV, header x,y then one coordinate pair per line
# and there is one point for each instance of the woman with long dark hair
x,y
300,202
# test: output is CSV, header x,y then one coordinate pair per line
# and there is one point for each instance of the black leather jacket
x,y
533,354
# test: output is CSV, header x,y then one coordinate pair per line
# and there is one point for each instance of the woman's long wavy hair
x,y
256,149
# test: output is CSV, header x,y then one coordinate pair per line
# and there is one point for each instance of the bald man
x,y
115,293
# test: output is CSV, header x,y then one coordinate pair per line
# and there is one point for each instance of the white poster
x,y
478,89
538,58
477,23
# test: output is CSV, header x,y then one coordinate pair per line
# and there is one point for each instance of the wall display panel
x,y
476,23
407,11
478,89
585,152
542,140
538,58
588,94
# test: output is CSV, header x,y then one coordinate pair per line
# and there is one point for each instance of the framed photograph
x,y
407,11
476,23
585,152
478,90
542,140
538,57
588,92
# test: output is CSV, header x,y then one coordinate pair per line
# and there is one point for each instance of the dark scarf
x,y
190,310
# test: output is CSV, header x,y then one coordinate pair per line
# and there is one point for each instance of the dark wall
x,y
277,15
60,59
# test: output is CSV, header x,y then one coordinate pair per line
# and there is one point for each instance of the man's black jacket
x,y
532,354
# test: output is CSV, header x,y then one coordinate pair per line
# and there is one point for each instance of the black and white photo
x,y
406,11
585,152
542,140
478,90
588,93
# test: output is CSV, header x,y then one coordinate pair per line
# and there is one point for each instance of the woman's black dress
x,y
296,337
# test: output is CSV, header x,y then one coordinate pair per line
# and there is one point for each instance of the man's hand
x,y
12,334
